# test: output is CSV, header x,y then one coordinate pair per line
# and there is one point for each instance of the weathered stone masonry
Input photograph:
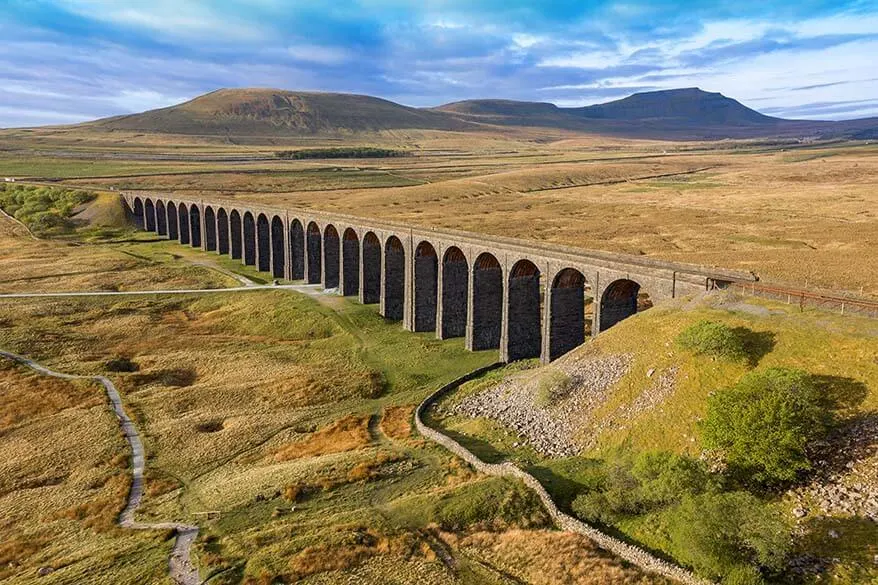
x,y
525,299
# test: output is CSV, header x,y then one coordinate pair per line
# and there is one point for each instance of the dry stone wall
x,y
628,552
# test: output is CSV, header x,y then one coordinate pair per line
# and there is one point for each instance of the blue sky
x,y
64,61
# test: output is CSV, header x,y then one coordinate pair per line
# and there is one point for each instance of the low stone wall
x,y
628,552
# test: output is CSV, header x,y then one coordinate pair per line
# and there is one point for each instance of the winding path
x,y
633,554
180,566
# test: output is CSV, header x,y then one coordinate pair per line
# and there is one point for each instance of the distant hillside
x,y
248,112
690,106
679,114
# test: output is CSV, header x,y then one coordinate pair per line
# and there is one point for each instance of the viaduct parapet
x,y
524,298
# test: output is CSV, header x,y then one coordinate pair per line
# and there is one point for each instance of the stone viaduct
x,y
525,298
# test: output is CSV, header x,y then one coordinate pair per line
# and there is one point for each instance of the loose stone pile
x,y
552,430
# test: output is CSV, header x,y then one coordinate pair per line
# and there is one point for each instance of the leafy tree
x,y
730,535
765,423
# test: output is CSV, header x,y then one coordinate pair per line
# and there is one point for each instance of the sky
x,y
67,61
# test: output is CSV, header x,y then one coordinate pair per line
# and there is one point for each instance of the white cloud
x,y
319,54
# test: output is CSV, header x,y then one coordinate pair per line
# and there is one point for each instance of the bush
x,y
121,364
629,485
729,534
339,152
714,339
553,386
44,210
764,425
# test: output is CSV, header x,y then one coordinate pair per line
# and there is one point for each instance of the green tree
x,y
765,423
730,535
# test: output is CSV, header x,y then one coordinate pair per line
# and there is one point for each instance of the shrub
x,y
764,425
714,339
44,210
729,534
629,485
552,387
121,364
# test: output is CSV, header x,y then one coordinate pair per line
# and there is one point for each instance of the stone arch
x,y
236,234
394,279
195,226
209,229
371,269
161,218
330,257
567,315
426,287
487,304
137,214
524,333
183,213
621,299
314,243
455,284
249,239
173,222
278,258
263,244
350,263
149,215
297,250
222,231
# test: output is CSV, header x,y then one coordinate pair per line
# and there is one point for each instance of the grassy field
x,y
279,422
798,213
636,416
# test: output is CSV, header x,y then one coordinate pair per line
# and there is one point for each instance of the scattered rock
x,y
833,534
45,571
650,372
799,512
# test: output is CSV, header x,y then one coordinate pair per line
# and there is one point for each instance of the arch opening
x,y
330,257
350,263
210,226
149,215
137,214
487,304
161,218
249,239
371,269
183,212
263,244
426,287
314,242
455,285
297,250
195,226
222,231
621,299
236,229
569,312
173,225
524,333
394,279
278,258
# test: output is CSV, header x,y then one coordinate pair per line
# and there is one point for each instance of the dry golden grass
x,y
541,557
345,434
396,422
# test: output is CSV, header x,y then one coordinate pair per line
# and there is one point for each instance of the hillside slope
x,y
680,114
249,112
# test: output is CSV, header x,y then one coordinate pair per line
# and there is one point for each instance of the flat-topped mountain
x,y
248,112
690,105
673,114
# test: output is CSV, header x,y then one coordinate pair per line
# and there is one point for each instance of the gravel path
x,y
180,566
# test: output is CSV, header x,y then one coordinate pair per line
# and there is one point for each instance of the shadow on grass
x,y
481,449
756,344
826,540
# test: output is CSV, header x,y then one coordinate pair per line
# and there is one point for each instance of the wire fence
x,y
808,299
